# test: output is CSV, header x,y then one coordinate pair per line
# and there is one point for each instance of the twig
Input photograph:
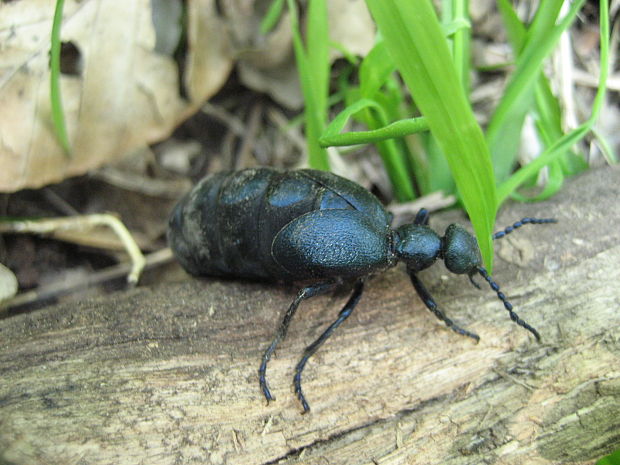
x,y
248,140
61,288
84,222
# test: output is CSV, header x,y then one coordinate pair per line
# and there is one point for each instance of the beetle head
x,y
460,250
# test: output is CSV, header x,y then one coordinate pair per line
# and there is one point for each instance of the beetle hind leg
x,y
430,303
303,294
312,348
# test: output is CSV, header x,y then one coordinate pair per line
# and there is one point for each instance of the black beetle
x,y
317,228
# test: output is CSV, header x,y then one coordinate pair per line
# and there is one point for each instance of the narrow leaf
x,y
415,40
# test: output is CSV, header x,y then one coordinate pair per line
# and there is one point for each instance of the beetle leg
x,y
472,281
303,294
422,217
312,348
428,300
521,222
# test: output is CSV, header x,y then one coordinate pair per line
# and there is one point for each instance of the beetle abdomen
x,y
214,230
226,225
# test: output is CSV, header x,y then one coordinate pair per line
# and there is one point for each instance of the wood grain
x,y
168,374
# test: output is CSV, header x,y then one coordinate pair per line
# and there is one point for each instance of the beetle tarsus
x,y
263,382
299,393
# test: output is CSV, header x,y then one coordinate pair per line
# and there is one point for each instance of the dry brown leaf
x,y
126,96
267,63
8,283
351,26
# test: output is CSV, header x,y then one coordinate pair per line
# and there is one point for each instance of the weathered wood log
x,y
169,374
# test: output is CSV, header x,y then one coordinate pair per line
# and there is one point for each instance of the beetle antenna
x,y
521,222
507,305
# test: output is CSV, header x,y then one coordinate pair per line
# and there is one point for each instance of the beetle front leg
x,y
428,300
312,348
422,217
303,294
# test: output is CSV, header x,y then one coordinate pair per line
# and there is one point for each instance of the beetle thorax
x,y
417,245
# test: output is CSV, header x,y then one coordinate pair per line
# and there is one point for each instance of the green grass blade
x,y
272,16
377,66
547,110
387,146
397,129
569,140
58,115
504,131
456,12
377,84
514,27
607,151
611,459
549,125
415,40
318,51
434,165
545,17
548,156
340,121
312,73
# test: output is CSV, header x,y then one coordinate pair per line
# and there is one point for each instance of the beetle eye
x,y
460,250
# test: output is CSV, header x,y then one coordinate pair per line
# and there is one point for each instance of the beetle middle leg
x,y
303,294
312,348
430,303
